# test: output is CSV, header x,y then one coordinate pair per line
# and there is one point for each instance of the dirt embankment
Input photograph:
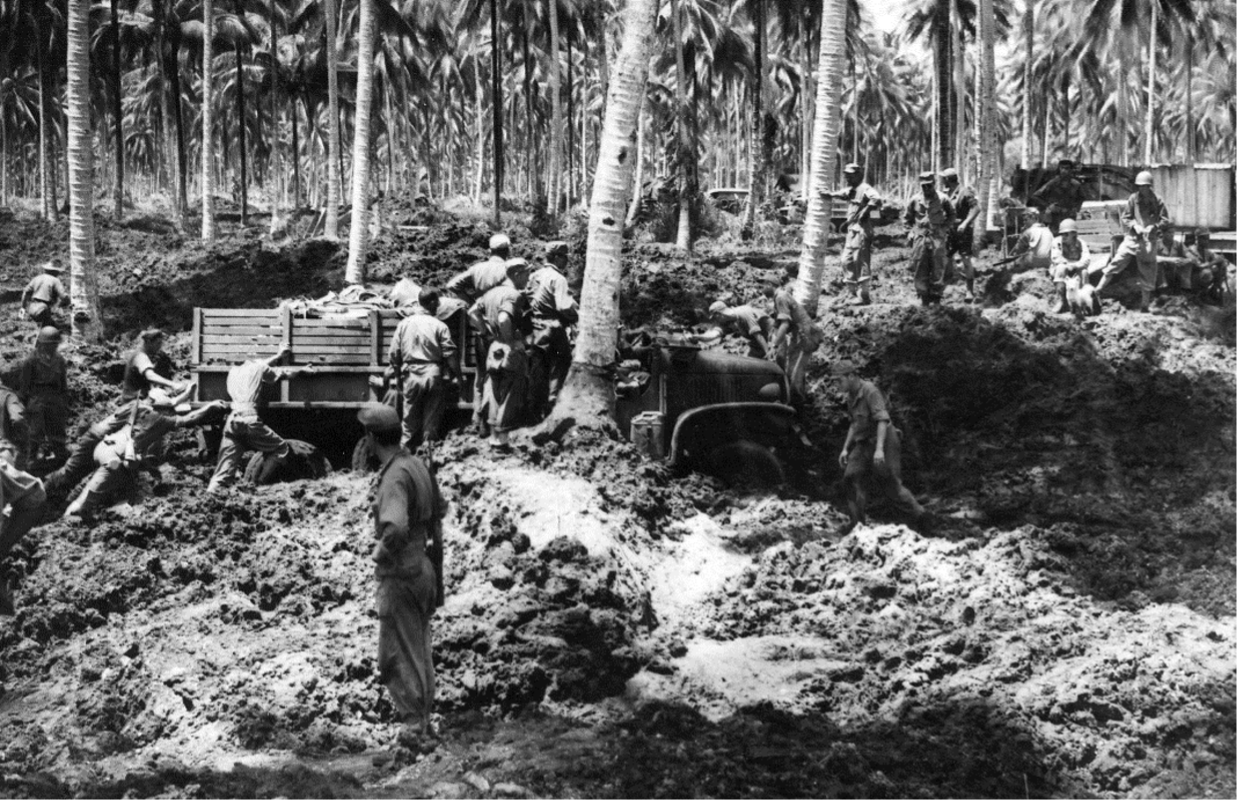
x,y
613,631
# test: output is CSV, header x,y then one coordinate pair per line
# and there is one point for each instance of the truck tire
x,y
304,462
744,461
363,461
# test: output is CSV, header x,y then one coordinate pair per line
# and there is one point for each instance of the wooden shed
x,y
1201,195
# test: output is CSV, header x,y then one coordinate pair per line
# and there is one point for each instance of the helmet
x,y
926,178
1066,225
499,241
48,334
1145,178
949,173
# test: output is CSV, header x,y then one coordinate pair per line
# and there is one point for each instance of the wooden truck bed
x,y
343,349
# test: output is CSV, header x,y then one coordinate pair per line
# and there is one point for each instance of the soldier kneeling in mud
x,y
871,450
137,446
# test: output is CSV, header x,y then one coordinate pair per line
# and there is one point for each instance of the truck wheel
x,y
363,461
304,462
744,461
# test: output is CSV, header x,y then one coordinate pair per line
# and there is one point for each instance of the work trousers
x,y
82,459
855,258
405,603
25,512
1140,250
794,357
505,389
243,430
41,313
424,399
104,484
859,473
48,414
929,266
550,359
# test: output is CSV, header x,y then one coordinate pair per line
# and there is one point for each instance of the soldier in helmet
x,y
1069,264
43,294
929,218
855,258
1143,218
43,388
960,238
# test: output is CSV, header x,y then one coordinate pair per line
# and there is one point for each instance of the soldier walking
x,y
859,237
929,219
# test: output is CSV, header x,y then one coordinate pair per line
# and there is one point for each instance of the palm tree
x,y
355,271
984,117
208,121
84,289
686,153
332,222
759,158
587,396
826,131
558,189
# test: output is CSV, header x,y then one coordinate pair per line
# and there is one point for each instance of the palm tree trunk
x,y
1026,118
640,167
757,172
826,133
588,395
984,115
807,91
479,152
557,110
684,225
84,290
1149,92
355,270
959,158
181,152
533,168
1121,109
497,112
1190,134
943,72
245,199
331,224
208,122
46,189
296,155
277,150
117,129
570,185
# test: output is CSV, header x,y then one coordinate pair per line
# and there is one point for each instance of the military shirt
x,y
867,407
245,383
407,501
45,288
475,281
134,382
1143,211
498,300
1075,255
1038,241
932,216
862,199
41,373
548,295
963,202
749,321
420,338
787,308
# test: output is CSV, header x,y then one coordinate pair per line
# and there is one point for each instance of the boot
x,y
1062,305
968,291
1145,300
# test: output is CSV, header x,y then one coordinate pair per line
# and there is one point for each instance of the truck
x,y
697,409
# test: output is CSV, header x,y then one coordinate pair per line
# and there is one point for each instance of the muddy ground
x,y
1068,630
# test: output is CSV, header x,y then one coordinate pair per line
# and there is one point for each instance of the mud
x,y
612,630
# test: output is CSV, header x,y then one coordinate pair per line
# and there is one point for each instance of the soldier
x,y
1210,268
43,294
1143,217
1069,265
14,430
500,315
1063,195
960,239
26,500
148,367
752,324
1033,247
929,219
407,513
552,312
871,449
137,445
471,283
243,428
44,389
422,351
796,337
855,258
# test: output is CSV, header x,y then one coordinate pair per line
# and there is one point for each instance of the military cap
x,y
852,167
1067,163
949,173
52,267
377,417
717,307
1067,225
152,334
48,334
926,177
499,241
844,368
515,265
556,248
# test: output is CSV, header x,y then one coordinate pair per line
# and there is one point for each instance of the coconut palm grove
x,y
618,399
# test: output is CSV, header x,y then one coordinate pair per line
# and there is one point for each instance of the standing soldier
x,y
1063,195
796,337
26,500
871,449
471,283
501,317
243,428
44,389
43,294
1143,217
408,511
960,239
422,350
855,258
929,219
552,312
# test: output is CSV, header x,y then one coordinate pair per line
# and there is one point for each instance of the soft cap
x,y
377,417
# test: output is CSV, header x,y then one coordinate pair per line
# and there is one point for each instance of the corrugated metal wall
x,y
1198,195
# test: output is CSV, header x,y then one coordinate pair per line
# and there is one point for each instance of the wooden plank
x,y
300,325
240,340
210,328
196,342
340,336
376,337
254,314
